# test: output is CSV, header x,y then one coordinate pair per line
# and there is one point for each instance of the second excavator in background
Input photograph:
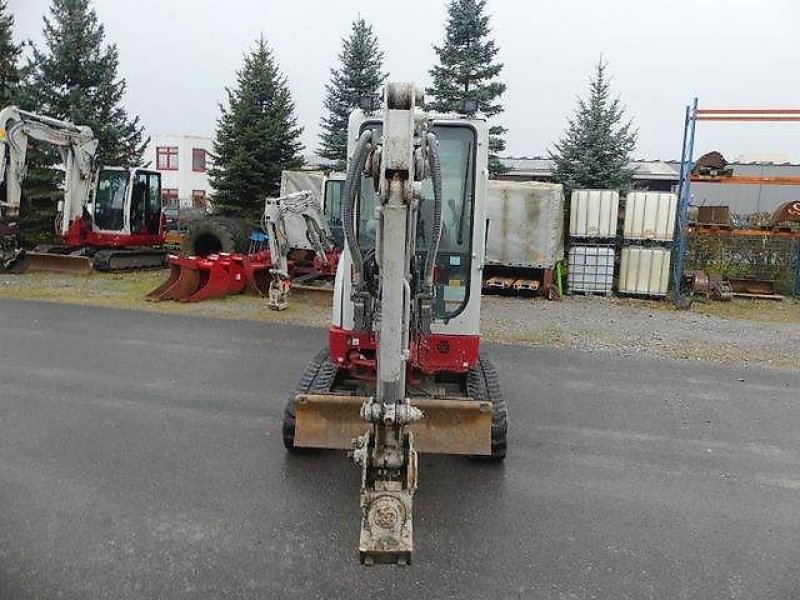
x,y
109,218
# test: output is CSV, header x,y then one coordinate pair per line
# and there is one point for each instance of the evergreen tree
x,y
595,149
9,55
74,77
467,69
257,137
360,74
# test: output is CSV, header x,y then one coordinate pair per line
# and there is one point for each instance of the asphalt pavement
x,y
141,457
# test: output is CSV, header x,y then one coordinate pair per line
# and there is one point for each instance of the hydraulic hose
x,y
352,183
436,178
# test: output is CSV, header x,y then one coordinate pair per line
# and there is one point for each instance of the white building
x,y
183,161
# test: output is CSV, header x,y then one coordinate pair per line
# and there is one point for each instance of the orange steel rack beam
x,y
745,180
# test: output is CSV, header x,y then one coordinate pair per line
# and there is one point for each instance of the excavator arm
x,y
76,144
305,205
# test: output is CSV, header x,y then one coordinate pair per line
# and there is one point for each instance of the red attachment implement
x,y
183,281
256,272
193,278
220,275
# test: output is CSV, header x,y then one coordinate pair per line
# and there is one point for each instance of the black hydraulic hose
x,y
352,183
436,177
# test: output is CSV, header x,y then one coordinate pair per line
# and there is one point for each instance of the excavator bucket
x,y
59,263
450,426
220,275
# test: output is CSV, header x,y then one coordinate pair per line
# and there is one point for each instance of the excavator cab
x,y
127,201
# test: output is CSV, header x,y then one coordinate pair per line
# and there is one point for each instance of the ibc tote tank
x,y
644,271
591,269
650,216
593,213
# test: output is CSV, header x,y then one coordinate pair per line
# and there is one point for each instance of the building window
x,y
169,196
199,198
198,160
167,158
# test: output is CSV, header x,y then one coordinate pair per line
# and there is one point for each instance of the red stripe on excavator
x,y
429,354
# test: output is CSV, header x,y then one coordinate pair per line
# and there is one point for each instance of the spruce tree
x,y
74,77
257,137
467,69
9,55
595,149
360,74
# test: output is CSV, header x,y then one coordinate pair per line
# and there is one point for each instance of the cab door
x,y
145,207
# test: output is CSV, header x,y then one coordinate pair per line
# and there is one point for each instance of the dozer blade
x,y
450,426
59,263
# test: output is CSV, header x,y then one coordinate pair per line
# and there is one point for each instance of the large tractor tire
x,y
483,384
317,378
214,235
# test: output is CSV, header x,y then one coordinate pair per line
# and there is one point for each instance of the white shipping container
x,y
590,269
526,224
650,216
593,213
644,271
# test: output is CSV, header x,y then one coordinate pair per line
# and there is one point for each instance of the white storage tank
x,y
593,213
650,216
644,271
591,269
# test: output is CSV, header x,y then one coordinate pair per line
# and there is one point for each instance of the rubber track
x,y
317,378
483,384
101,261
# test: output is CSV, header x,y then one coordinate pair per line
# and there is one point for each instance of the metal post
x,y
797,268
682,217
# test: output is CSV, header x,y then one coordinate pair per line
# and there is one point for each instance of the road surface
x,y
140,457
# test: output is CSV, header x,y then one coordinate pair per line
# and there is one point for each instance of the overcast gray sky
x,y
178,55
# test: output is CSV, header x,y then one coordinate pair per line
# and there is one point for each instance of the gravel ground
x,y
742,331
